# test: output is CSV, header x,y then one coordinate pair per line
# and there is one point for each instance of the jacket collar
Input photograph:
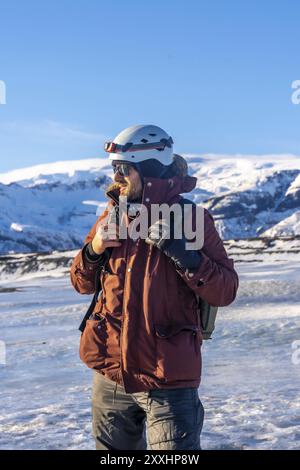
x,y
159,191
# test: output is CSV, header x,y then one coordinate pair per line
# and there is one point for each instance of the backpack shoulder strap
x,y
96,294
93,302
206,313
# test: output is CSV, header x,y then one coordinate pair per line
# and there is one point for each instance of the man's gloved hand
x,y
160,235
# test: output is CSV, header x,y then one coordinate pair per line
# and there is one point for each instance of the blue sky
x,y
215,74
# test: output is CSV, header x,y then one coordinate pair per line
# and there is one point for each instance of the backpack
x,y
207,315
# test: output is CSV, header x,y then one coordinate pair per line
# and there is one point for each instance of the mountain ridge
x,y
53,206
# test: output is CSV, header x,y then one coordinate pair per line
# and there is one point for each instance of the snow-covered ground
x,y
250,385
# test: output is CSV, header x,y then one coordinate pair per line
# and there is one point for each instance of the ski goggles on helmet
x,y
122,168
112,147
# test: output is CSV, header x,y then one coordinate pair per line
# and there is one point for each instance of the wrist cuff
x,y
90,254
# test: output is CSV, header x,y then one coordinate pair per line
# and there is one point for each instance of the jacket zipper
x,y
123,313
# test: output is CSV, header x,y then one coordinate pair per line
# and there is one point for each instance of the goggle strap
x,y
112,147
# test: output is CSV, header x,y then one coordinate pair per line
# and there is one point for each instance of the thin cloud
x,y
49,129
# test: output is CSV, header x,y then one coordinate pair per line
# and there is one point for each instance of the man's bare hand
x,y
107,236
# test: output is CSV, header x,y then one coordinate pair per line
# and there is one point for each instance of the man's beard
x,y
131,192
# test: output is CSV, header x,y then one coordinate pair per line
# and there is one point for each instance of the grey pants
x,y
174,418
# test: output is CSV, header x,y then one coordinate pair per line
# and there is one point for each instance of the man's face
x,y
130,185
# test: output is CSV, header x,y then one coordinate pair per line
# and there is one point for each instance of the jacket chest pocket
x,y
178,352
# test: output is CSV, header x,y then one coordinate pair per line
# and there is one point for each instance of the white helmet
x,y
139,143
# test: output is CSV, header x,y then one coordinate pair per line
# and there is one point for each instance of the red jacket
x,y
146,331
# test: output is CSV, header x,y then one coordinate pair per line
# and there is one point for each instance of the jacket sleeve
x,y
215,280
83,270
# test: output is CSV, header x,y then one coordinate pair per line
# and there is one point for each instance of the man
x,y
143,340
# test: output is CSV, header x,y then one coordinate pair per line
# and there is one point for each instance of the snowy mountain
x,y
52,207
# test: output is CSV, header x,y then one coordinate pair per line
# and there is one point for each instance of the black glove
x,y
184,259
160,235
